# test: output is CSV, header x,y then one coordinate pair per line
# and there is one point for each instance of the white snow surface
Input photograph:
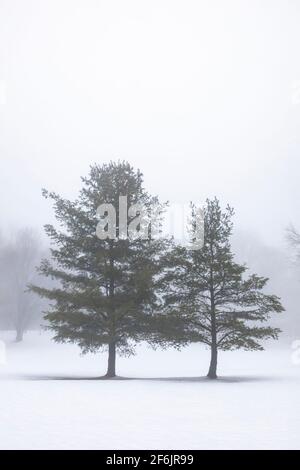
x,y
51,398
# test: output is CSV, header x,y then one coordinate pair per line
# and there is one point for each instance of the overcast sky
x,y
203,96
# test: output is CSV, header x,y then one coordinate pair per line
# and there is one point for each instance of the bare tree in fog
x,y
293,237
19,258
274,263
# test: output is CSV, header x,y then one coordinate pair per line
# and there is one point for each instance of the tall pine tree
x,y
218,305
105,291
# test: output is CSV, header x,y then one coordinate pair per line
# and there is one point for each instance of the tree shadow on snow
x,y
202,380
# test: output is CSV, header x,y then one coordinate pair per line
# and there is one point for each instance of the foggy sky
x,y
203,96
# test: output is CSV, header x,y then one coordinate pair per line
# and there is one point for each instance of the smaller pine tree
x,y
217,304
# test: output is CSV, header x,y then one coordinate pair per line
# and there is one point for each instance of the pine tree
x,y
106,291
218,305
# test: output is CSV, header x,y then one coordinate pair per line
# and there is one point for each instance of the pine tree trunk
x,y
212,373
111,369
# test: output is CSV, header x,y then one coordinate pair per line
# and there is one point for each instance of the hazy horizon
x,y
204,99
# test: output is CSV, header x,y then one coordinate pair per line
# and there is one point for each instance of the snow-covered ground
x,y
50,398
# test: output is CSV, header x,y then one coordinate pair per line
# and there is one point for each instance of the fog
x,y
203,96
204,99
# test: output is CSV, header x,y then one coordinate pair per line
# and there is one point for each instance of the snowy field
x,y
50,398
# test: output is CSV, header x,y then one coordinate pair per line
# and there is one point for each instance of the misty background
x,y
203,97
